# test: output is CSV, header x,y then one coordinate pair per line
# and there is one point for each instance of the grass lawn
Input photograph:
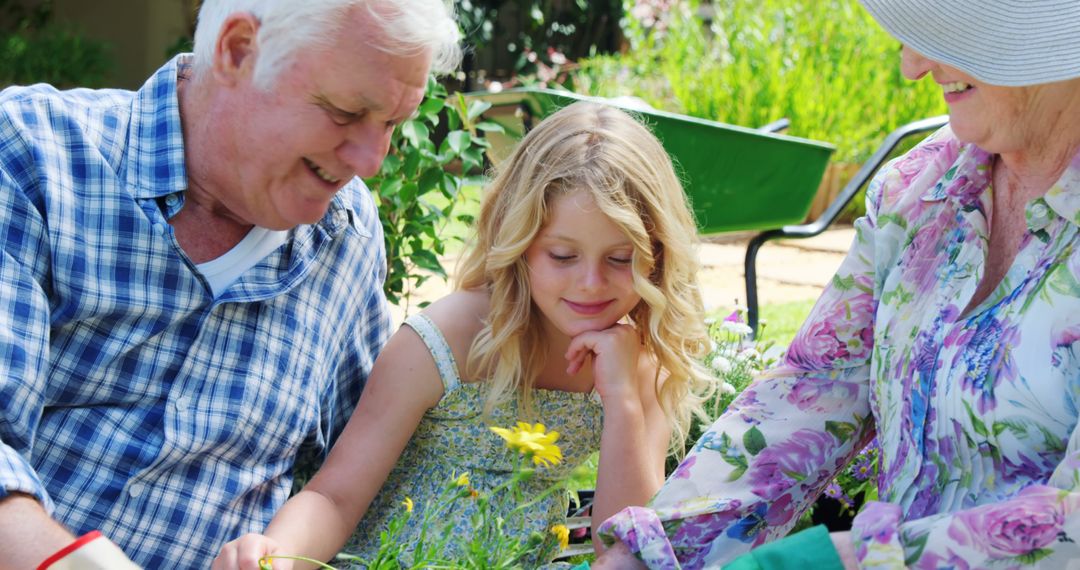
x,y
782,321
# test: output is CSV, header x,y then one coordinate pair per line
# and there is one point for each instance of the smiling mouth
x,y
588,308
322,174
955,87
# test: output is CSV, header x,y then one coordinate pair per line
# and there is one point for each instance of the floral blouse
x,y
975,412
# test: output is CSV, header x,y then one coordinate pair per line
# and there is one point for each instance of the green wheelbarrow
x,y
736,178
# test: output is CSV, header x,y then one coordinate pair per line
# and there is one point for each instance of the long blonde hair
x,y
606,152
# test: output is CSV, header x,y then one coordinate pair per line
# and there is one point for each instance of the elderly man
x,y
190,279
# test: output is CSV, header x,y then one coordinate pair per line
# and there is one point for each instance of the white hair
x,y
285,26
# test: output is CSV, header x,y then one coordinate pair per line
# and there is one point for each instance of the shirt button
x,y
182,403
1039,211
172,199
159,229
136,489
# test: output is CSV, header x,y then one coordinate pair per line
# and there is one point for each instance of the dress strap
x,y
440,350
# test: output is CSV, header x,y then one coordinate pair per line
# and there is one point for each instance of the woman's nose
x,y
913,64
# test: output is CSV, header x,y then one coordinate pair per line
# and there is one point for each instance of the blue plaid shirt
x,y
131,400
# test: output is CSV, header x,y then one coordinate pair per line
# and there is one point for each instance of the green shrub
x,y
420,185
823,64
55,55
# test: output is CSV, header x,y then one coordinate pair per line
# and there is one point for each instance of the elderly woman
x,y
951,333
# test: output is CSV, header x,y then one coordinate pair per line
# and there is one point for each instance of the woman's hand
x,y
615,353
245,552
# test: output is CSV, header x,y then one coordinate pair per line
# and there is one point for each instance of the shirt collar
x,y
155,157
1064,196
969,175
964,174
155,162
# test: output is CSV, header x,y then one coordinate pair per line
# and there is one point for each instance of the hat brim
x,y
1015,43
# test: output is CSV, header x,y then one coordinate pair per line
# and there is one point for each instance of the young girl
x,y
577,306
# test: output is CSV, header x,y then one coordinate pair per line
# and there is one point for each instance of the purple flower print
x,y
1064,341
699,532
987,355
877,522
1028,522
780,511
683,470
934,561
925,253
782,464
822,394
816,346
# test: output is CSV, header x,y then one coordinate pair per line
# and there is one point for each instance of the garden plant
x,y
497,542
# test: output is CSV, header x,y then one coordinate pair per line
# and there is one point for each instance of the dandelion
x,y
532,441
462,480
408,504
563,534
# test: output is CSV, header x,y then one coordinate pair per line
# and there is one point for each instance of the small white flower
x,y
710,320
727,388
750,354
713,347
721,364
737,329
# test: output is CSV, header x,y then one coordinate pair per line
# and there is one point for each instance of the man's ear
x,y
236,49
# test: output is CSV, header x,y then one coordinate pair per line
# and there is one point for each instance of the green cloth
x,y
811,548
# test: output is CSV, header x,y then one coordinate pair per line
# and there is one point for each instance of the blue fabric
x,y
131,400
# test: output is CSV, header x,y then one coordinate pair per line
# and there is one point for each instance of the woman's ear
x,y
237,48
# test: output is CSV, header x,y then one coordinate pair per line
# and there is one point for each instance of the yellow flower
x,y
462,480
408,504
563,534
532,441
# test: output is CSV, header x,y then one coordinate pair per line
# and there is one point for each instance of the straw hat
x,y
1000,42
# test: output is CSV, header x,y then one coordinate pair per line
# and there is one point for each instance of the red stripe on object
x,y
79,543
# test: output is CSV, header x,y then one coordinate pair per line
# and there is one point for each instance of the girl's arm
x,y
404,383
635,435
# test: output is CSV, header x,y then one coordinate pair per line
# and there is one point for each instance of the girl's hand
x,y
245,552
845,549
615,360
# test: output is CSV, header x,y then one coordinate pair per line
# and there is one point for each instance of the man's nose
x,y
364,148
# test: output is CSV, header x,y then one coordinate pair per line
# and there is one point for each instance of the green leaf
x,y
409,192
477,108
389,187
490,127
976,423
459,141
754,441
430,180
1034,556
842,431
427,260
916,547
414,131
431,107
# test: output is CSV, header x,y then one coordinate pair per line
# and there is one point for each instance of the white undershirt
x,y
257,244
